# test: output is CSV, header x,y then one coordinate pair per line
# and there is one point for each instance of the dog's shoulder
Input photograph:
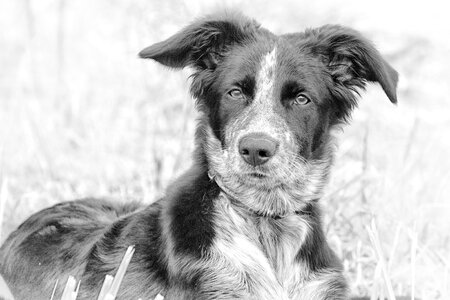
x,y
190,210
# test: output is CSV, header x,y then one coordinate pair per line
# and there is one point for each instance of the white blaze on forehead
x,y
262,108
265,80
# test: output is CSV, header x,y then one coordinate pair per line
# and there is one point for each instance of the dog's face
x,y
269,114
270,101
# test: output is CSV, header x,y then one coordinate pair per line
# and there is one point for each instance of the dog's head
x,y
269,102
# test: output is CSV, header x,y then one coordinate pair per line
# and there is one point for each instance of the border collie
x,y
243,222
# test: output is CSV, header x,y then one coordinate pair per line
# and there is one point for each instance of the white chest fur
x,y
260,251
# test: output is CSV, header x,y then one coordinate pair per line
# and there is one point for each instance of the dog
x,y
244,221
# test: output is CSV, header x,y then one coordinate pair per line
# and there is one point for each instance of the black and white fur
x,y
238,224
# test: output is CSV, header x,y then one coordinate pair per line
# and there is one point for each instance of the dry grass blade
x,y
375,239
54,290
5,293
111,284
375,293
413,261
159,297
394,247
71,289
105,287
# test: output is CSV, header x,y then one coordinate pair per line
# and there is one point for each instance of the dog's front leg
x,y
220,281
325,285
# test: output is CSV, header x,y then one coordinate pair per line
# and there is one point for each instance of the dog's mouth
x,y
257,175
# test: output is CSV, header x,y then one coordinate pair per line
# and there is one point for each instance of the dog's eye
x,y
301,99
236,94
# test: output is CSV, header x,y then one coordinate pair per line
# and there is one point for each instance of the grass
x,y
82,116
110,286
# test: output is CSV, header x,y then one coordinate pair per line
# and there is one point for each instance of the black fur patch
x,y
315,251
192,215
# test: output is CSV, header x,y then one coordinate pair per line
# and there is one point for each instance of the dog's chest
x,y
280,241
263,249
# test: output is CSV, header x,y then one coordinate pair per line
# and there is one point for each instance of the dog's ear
x,y
203,43
351,60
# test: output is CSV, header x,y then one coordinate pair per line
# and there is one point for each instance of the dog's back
x,y
40,254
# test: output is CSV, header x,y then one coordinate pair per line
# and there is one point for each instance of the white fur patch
x,y
236,246
263,102
265,80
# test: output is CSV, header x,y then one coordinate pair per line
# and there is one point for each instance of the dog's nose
x,y
257,148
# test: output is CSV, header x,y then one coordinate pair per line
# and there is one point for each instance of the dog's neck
x,y
240,205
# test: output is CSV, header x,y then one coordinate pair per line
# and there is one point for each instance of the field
x,y
81,116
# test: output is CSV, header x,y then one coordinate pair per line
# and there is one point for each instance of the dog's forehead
x,y
245,60
277,60
275,68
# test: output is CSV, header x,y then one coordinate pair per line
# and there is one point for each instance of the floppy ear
x,y
351,60
203,43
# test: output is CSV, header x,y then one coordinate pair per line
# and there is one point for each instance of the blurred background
x,y
81,115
